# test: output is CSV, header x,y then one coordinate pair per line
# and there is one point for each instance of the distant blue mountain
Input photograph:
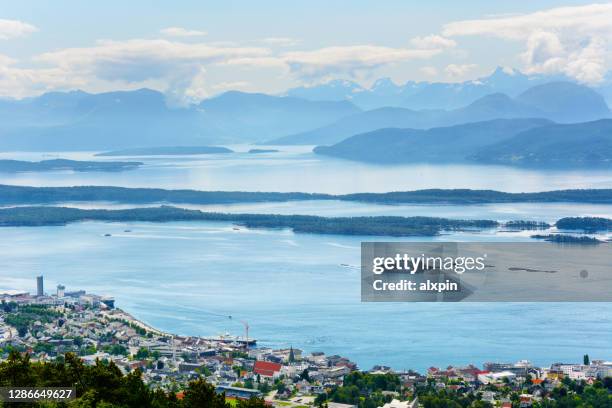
x,y
555,145
264,116
134,119
566,102
424,95
558,101
141,118
535,143
111,120
335,90
437,145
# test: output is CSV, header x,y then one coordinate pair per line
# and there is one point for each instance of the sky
x,y
191,50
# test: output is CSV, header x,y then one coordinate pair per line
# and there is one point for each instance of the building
x,y
75,293
401,404
238,392
108,301
267,369
339,405
61,291
487,377
185,367
336,372
40,290
13,295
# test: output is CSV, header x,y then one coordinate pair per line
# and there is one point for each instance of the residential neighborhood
x,y
46,327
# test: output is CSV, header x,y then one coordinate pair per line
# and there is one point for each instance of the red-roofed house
x,y
267,369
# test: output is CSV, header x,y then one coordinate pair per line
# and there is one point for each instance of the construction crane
x,y
246,332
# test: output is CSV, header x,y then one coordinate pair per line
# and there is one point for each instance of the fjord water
x,y
303,289
293,289
296,168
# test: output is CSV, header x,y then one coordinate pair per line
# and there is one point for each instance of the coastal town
x,y
47,326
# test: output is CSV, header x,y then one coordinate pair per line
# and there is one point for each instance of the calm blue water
x,y
295,168
188,278
293,290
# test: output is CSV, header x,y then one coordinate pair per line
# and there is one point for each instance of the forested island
x,y
568,239
257,151
46,195
17,166
372,226
167,150
393,226
589,224
526,225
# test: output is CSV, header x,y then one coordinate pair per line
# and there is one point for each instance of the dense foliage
x,y
363,389
103,385
45,195
568,239
585,223
526,225
24,316
380,226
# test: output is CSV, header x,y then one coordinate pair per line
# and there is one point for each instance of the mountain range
x,y
77,120
133,119
556,101
433,95
520,142
441,145
571,145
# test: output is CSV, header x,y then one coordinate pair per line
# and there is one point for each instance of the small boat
x,y
107,235
127,230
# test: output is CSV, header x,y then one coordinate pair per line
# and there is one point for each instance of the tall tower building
x,y
39,286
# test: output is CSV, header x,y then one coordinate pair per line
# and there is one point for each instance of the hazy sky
x,y
192,49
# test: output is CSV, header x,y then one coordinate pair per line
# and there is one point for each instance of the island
x,y
593,224
167,151
17,166
568,239
526,225
256,151
368,226
46,195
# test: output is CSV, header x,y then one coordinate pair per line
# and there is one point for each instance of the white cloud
x,y
5,61
429,71
19,82
349,60
141,59
15,28
459,71
281,41
179,66
589,19
185,89
258,62
182,32
432,42
231,85
574,41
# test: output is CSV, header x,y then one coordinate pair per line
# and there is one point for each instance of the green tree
x,y
200,394
252,402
